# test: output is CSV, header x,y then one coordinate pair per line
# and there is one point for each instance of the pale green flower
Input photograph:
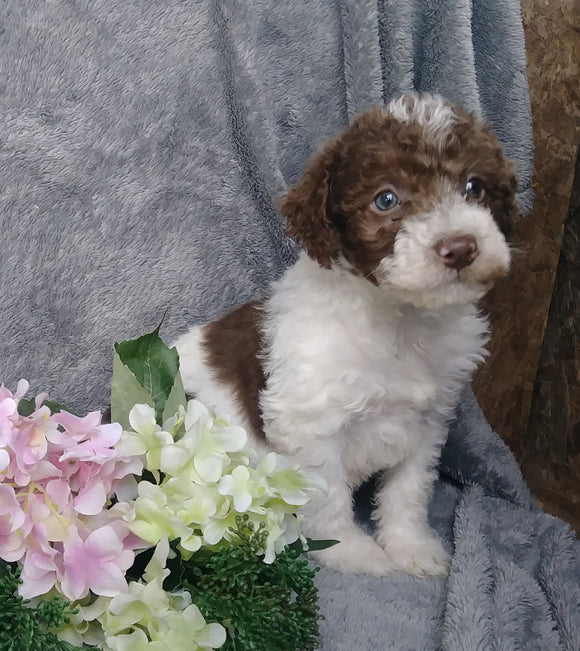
x,y
245,486
147,617
208,480
137,640
206,441
154,519
156,567
281,526
188,545
131,444
83,626
149,439
288,481
186,629
283,529
180,599
218,528
211,457
142,604
211,440
175,458
199,510
194,505
176,424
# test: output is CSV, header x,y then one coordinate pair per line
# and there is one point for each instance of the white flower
x,y
243,486
186,629
154,518
288,480
137,640
156,567
210,441
147,438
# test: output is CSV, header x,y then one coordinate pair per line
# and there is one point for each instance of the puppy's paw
x,y
359,556
420,556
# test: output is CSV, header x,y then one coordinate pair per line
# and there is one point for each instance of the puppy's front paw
x,y
359,556
420,556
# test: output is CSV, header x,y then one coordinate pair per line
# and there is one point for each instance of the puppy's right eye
x,y
386,201
475,189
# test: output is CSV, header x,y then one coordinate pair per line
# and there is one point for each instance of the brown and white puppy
x,y
354,361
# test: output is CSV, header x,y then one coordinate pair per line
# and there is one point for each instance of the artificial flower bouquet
x,y
159,530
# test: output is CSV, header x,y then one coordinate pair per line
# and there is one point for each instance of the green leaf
x,y
313,545
155,368
176,398
27,405
126,391
319,545
55,407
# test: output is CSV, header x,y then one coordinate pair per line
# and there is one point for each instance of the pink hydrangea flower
x,y
27,445
98,564
94,441
8,408
58,473
14,525
4,460
38,566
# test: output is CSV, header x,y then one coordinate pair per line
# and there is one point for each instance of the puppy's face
x,y
416,197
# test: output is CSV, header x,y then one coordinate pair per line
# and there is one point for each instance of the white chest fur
x,y
356,382
345,362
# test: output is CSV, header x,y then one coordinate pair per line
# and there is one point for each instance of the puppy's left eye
x,y
475,189
386,201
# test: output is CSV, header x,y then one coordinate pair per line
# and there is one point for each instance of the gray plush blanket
x,y
143,148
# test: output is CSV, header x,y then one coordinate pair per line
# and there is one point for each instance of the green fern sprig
x,y
24,628
264,607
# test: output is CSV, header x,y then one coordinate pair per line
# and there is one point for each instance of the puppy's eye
x,y
386,201
475,189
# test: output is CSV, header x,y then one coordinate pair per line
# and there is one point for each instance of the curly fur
x,y
365,343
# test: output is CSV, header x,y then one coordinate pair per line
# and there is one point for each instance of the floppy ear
x,y
307,209
512,209
503,202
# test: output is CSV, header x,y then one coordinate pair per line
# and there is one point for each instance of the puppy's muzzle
x,y
457,251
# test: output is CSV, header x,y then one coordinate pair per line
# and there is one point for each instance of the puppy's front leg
x,y
331,517
403,530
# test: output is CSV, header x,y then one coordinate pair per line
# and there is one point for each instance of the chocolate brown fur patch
x,y
232,346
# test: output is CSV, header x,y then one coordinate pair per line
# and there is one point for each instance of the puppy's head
x,y
416,197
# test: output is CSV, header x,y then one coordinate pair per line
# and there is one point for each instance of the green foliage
x,y
126,391
263,607
145,371
313,545
23,628
27,405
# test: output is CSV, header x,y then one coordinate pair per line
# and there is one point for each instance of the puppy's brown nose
x,y
458,251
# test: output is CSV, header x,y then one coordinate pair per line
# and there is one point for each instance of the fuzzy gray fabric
x,y
143,149
515,574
